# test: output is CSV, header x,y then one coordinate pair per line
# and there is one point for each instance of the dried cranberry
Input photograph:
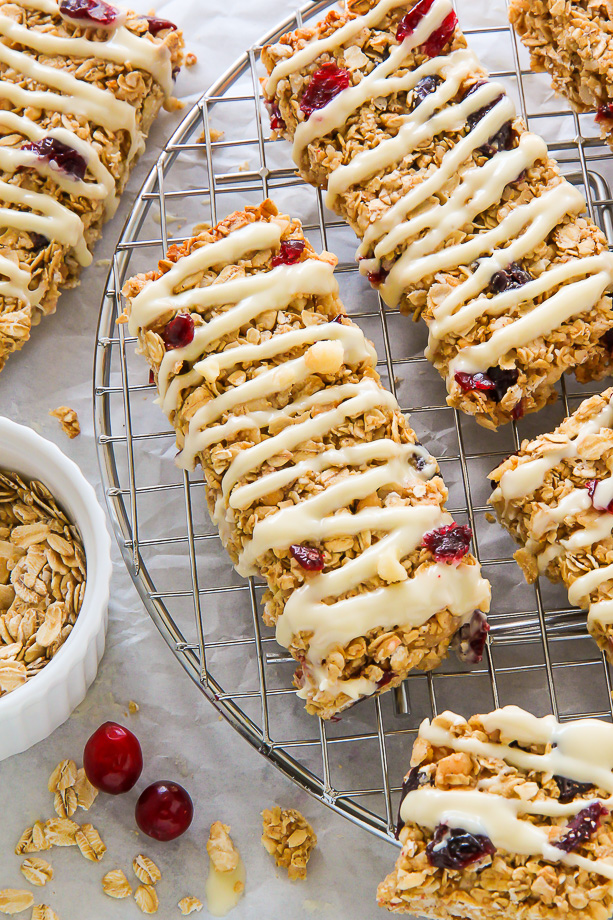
x,y
569,788
155,25
478,381
503,379
95,13
151,377
409,23
289,253
513,276
339,318
591,488
39,241
378,277
384,681
441,36
62,156
502,139
517,411
455,848
607,340
469,641
583,826
424,88
179,332
450,543
604,112
274,113
308,557
414,779
326,83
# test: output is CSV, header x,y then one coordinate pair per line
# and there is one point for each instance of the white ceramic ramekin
x,y
32,712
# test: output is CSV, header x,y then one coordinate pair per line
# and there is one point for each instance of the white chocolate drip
x,y
224,889
17,282
401,601
420,229
582,750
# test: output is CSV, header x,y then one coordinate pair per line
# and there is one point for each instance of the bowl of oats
x,y
55,570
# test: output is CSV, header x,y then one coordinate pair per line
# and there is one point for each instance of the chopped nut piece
x,y
60,832
86,793
68,419
14,900
43,912
146,898
146,870
63,777
90,843
189,904
220,848
37,871
116,885
289,837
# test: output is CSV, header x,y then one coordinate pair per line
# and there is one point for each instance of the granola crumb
x,y
68,419
36,871
116,885
173,104
288,836
133,707
190,60
189,904
221,849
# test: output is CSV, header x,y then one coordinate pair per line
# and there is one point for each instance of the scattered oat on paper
x,y
60,832
14,900
36,871
86,793
116,885
68,419
146,898
189,904
90,843
33,840
43,912
146,870
289,838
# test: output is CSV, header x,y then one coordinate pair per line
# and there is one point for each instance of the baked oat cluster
x,y
572,41
463,217
313,475
289,838
42,579
555,497
506,814
80,93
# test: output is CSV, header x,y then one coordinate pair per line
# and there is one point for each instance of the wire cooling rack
x,y
539,655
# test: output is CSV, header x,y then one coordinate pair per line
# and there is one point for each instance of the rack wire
x,y
539,654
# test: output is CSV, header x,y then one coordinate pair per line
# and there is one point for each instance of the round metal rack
x,y
539,655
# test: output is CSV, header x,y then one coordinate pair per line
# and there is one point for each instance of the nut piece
x,y
146,870
60,832
14,900
116,885
68,419
43,912
220,848
63,777
189,904
90,843
146,898
85,792
37,871
289,837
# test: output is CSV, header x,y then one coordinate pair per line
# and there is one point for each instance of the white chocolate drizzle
x,y
581,750
401,601
70,95
411,239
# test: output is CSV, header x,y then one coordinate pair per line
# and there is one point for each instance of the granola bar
x,y
572,41
555,497
81,84
313,475
463,217
506,814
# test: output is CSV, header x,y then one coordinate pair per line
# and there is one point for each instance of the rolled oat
x,y
116,885
36,871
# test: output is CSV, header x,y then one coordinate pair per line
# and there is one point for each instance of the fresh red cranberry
x,y
570,788
62,156
591,488
455,848
164,810
289,253
113,759
307,557
413,780
583,826
604,112
450,543
441,36
424,88
513,276
377,278
179,332
94,13
409,23
478,381
469,641
276,119
326,83
155,25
